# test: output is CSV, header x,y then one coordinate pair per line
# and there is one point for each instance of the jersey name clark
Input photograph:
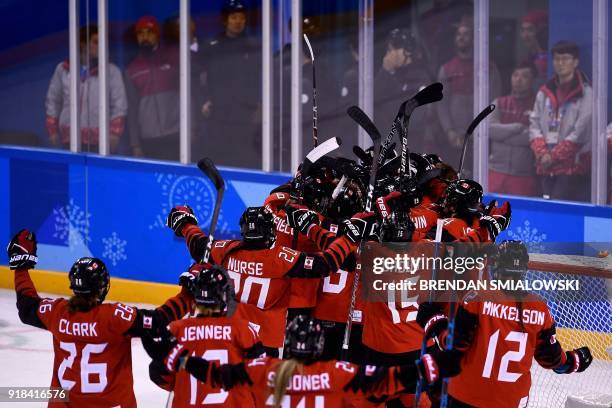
x,y
506,312
78,329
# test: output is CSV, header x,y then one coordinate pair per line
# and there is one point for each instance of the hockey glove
x,y
176,358
301,218
432,319
433,367
496,219
180,216
198,367
383,203
361,226
22,250
577,361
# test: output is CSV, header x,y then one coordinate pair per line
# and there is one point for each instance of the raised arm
x,y
22,257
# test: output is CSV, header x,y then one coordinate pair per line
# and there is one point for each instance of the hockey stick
x,y
438,239
429,94
208,168
315,154
470,130
365,122
315,130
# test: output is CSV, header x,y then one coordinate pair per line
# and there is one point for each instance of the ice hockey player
x,y
91,339
211,334
261,270
305,380
500,334
334,296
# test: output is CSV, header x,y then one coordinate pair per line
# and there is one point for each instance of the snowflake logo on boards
x,y
530,236
114,249
196,192
71,224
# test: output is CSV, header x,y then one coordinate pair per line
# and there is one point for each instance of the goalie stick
x,y
315,130
315,154
429,94
365,122
470,130
207,167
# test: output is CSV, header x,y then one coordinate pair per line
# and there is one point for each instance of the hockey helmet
x,y
304,338
257,227
89,276
463,198
212,287
511,260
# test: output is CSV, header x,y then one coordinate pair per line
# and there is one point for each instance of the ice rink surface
x,y
26,356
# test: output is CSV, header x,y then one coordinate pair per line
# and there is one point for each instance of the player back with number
x,y
92,354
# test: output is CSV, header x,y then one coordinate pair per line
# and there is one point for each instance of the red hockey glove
x,y
432,319
22,250
176,359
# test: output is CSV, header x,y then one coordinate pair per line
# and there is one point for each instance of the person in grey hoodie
x,y
560,128
57,103
511,161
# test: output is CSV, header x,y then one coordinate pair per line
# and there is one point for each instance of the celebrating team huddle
x,y
278,319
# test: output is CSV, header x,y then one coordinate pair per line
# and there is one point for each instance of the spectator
x,y
511,161
402,74
57,103
232,91
534,34
560,127
456,110
153,89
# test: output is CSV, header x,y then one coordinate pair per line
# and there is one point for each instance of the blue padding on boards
x,y
37,188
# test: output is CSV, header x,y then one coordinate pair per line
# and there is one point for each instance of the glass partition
x,y
416,44
33,51
540,134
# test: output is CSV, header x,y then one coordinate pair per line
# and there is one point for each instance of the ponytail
x,y
284,371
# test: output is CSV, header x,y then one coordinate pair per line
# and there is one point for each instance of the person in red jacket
x,y
91,339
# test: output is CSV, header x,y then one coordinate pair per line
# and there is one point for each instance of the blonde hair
x,y
284,371
206,311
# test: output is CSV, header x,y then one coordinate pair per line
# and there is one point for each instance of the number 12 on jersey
x,y
505,375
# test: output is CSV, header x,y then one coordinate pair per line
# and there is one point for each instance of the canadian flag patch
x,y
308,262
147,322
333,228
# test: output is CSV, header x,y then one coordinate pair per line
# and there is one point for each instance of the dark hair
x,y
82,303
526,65
86,32
566,47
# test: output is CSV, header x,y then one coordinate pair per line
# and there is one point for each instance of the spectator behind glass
x,y
401,75
534,35
152,82
560,126
57,103
232,93
511,161
456,110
